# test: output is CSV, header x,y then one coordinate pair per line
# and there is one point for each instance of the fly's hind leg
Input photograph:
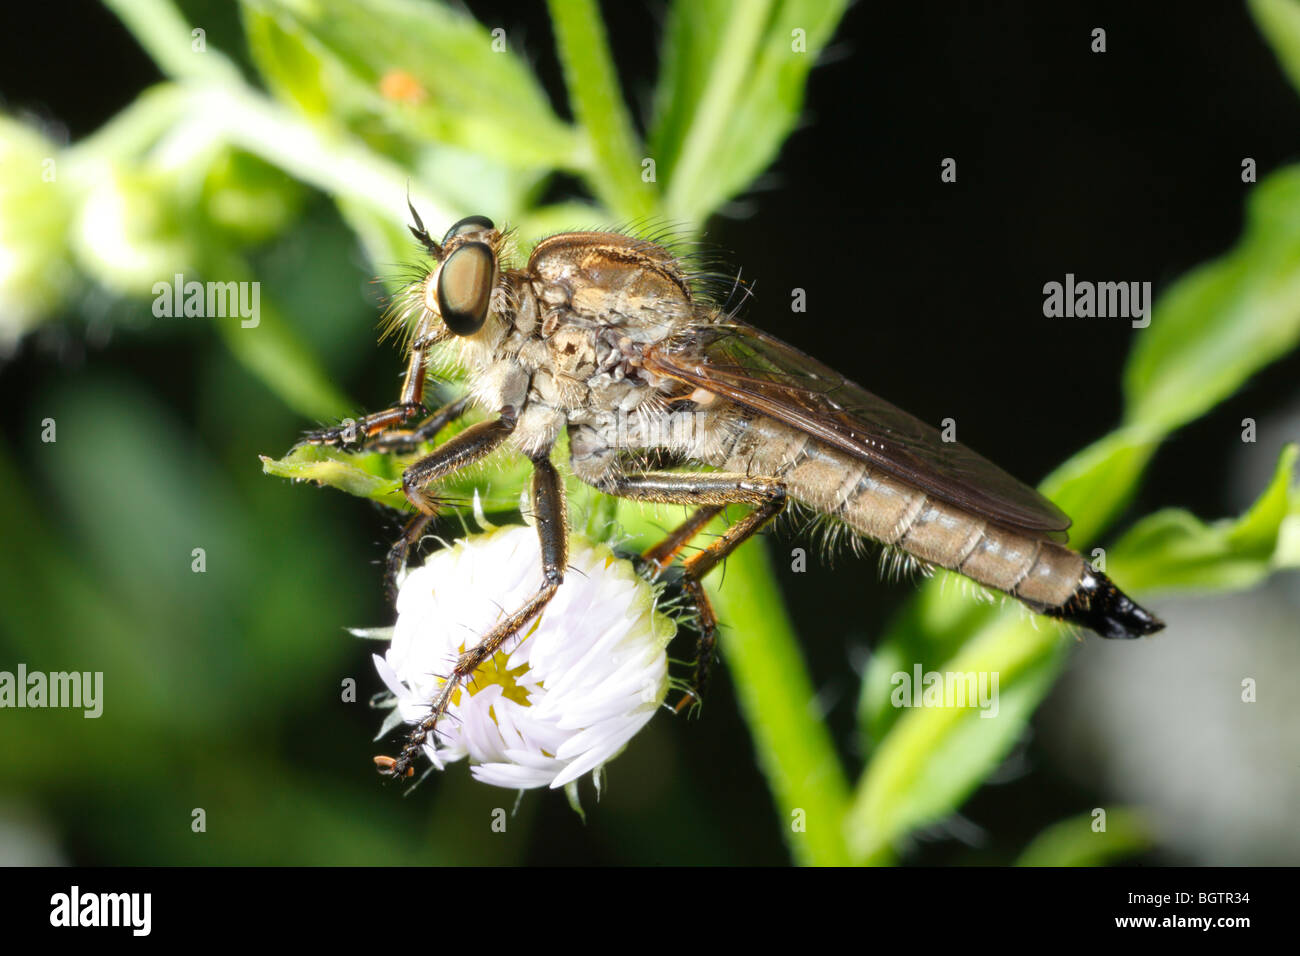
x,y
552,530
662,554
712,493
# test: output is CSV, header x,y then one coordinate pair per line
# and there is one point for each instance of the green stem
x,y
162,31
135,129
793,744
881,814
598,106
723,88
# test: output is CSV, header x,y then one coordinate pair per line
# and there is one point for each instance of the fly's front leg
x,y
550,518
410,405
472,445
407,441
351,435
712,492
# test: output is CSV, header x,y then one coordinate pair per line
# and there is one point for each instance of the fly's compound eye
x,y
466,226
465,287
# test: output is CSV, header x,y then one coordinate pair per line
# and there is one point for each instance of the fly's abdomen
x,y
1048,577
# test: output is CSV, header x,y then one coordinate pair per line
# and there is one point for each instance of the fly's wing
x,y
760,372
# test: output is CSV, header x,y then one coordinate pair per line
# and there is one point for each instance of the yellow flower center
x,y
494,671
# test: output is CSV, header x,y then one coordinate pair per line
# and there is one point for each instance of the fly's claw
x,y
395,767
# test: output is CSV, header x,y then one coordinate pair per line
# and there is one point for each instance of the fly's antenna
x,y
418,229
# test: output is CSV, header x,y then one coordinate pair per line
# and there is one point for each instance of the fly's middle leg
x,y
472,445
712,493
550,519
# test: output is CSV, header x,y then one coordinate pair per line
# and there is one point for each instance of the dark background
x,y
1120,166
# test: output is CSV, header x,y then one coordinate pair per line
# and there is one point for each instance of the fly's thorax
x,y
571,351
612,281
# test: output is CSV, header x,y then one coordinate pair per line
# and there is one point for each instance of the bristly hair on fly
x,y
703,265
402,313
831,536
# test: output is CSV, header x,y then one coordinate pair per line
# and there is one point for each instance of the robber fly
x,y
604,335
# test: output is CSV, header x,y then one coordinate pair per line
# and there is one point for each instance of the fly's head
x,y
464,299
459,290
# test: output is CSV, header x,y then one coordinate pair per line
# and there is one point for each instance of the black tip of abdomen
x,y
1100,606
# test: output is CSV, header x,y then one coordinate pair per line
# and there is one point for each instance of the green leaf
x,y
1224,321
1095,485
293,70
1175,550
366,475
730,91
933,757
1208,334
377,475
927,761
1279,21
451,85
589,74
1074,842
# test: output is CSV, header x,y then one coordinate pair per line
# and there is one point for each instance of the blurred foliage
x,y
1078,842
208,175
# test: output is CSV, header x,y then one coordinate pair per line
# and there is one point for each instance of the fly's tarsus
x,y
400,551
391,767
350,435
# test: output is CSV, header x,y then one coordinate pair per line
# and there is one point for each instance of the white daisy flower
x,y
555,702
